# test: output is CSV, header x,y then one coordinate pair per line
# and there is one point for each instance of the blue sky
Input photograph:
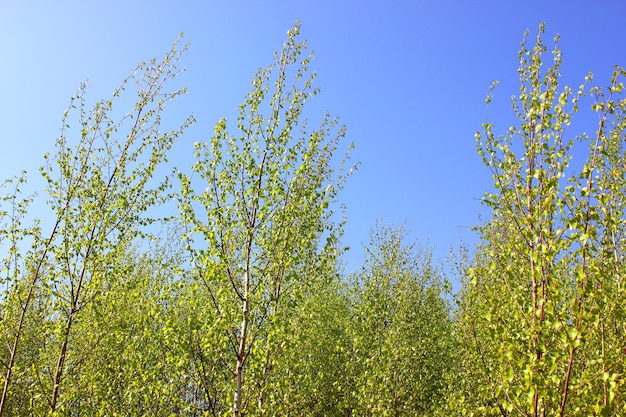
x,y
408,78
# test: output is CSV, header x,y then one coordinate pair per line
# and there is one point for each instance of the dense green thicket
x,y
242,308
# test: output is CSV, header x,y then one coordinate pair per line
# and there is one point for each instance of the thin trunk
x,y
570,366
605,400
58,374
241,354
13,351
24,306
266,371
567,380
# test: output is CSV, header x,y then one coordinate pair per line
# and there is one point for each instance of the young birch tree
x,y
265,215
99,191
550,272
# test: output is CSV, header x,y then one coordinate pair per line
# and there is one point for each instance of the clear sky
x,y
408,78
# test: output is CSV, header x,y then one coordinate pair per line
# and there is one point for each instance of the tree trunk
x,y
241,354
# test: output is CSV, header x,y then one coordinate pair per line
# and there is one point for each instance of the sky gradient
x,y
407,78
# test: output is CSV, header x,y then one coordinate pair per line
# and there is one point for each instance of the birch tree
x,y
261,220
549,276
100,188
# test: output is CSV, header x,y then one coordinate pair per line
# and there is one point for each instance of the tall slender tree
x,y
99,188
543,305
262,219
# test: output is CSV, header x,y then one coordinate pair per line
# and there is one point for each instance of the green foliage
x,y
311,377
402,332
99,192
135,365
242,307
542,307
245,310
